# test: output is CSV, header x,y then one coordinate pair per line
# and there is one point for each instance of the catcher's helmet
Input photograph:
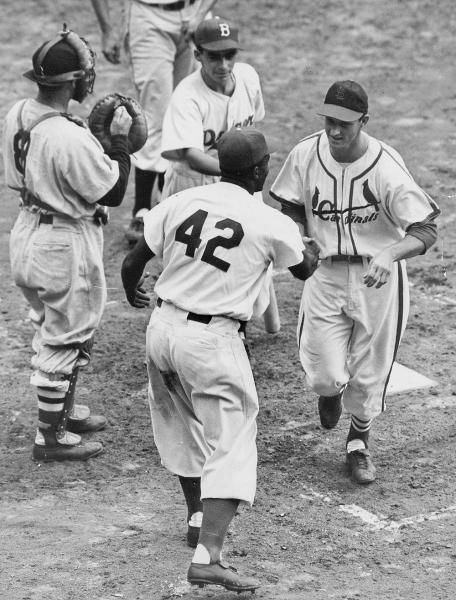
x,y
65,58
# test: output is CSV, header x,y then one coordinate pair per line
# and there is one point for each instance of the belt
x,y
46,219
206,319
173,6
347,258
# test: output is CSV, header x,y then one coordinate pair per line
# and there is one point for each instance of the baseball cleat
x,y
92,423
361,466
59,452
221,574
330,409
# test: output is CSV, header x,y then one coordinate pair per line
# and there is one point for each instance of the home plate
x,y
403,379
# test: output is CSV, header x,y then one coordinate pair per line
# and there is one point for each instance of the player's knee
x,y
324,384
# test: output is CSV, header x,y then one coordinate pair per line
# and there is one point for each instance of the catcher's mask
x,y
68,57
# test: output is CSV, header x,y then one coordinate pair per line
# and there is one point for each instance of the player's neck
x,y
351,154
246,184
226,88
58,102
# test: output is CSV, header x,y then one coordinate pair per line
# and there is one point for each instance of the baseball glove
x,y
101,116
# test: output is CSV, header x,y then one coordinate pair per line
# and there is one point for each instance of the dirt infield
x,y
114,527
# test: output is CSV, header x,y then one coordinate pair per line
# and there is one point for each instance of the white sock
x,y
196,519
201,555
356,444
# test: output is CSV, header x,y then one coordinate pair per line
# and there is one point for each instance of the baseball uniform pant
x,y
203,402
59,268
159,61
348,333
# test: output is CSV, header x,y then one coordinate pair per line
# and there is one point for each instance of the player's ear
x,y
365,119
197,54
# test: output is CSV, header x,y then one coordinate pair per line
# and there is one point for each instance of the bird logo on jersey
x,y
326,210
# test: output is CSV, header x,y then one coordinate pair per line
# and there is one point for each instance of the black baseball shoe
x,y
330,409
222,574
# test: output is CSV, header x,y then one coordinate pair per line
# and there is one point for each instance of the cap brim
x,y
30,75
339,112
220,46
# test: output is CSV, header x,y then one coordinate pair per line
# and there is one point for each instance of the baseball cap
x,y
345,101
216,34
239,149
58,59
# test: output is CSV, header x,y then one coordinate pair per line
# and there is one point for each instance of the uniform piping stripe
x,y
47,407
301,326
350,201
400,318
331,176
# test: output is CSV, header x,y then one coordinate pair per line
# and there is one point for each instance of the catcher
x,y
65,181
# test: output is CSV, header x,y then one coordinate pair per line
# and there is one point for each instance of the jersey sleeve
x,y
182,126
154,222
287,245
85,167
405,202
287,187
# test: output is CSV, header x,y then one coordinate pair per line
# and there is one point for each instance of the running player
x,y
354,195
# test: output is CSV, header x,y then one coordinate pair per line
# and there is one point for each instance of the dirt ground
x,y
114,527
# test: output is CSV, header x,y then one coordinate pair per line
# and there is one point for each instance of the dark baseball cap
x,y
344,101
241,148
53,59
216,35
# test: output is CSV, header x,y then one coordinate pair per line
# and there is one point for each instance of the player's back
x,y
217,242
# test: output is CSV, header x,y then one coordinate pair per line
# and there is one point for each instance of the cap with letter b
x,y
345,101
239,149
216,35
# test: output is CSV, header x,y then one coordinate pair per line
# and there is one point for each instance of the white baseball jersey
x,y
356,208
66,166
348,333
197,116
217,242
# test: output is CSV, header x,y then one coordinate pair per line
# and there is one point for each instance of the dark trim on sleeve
x,y
119,153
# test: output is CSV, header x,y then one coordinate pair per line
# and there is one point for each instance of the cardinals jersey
x,y
216,242
197,116
352,208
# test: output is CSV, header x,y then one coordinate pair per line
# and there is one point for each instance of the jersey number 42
x,y
189,233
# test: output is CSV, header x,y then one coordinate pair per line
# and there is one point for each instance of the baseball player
x,y
158,41
65,180
216,242
353,194
222,94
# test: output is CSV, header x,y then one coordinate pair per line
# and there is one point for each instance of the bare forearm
x,y
101,9
409,246
201,162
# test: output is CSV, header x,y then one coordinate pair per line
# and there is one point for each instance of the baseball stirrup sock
x,y
359,429
50,407
191,486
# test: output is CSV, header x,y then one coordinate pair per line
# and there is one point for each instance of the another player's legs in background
x,y
159,60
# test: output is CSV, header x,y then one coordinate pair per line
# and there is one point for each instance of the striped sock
x,y
50,411
359,430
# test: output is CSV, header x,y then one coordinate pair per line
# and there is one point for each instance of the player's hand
x,y
138,297
380,268
111,47
121,122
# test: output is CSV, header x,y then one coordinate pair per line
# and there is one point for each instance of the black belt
x,y
206,319
347,258
46,219
173,6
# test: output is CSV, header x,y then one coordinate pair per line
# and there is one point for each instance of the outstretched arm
x,y
109,37
132,274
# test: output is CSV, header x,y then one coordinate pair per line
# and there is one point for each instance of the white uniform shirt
x,y
197,116
354,209
171,21
66,166
216,242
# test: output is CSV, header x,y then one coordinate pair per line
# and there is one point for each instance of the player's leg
x,y
324,332
220,380
380,320
151,53
65,309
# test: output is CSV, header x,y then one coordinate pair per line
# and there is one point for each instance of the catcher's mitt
x,y
101,116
